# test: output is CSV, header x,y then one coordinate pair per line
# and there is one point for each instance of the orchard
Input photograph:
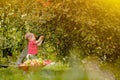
x,y
71,29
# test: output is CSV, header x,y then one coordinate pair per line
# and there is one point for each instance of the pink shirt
x,y
32,48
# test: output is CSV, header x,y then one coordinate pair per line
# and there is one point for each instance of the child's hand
x,y
39,42
42,37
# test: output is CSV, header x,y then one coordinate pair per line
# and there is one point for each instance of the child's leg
x,y
22,56
28,56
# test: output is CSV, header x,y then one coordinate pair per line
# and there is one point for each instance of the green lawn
x,y
56,72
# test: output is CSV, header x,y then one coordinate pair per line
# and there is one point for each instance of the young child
x,y
33,45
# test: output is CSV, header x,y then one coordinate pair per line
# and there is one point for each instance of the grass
x,y
56,72
77,70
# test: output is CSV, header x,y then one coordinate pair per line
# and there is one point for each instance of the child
x,y
33,44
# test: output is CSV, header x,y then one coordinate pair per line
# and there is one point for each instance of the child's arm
x,y
39,41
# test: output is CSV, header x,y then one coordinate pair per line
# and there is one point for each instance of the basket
x,y
30,68
33,65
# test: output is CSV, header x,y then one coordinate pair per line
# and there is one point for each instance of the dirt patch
x,y
92,66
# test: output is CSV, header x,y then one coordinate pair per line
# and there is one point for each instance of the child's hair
x,y
28,34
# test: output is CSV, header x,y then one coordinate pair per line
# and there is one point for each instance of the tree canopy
x,y
92,26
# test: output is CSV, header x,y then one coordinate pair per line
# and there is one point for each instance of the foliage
x,y
90,25
94,28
